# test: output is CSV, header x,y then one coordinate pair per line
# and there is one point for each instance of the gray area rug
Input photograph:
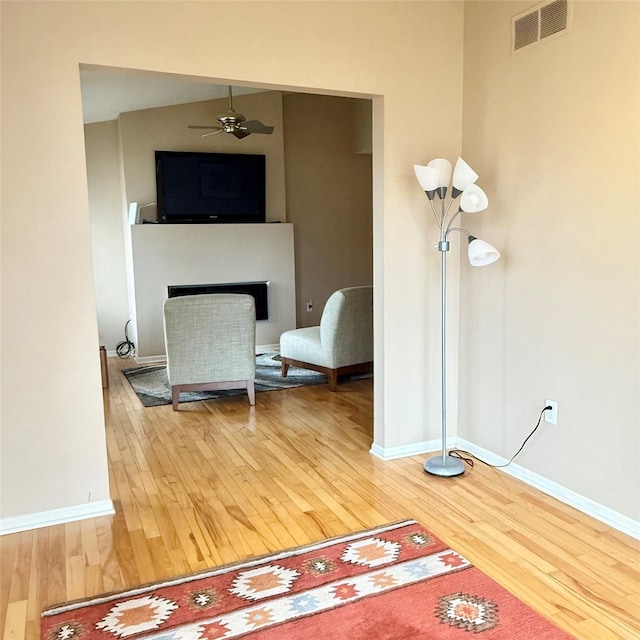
x,y
152,386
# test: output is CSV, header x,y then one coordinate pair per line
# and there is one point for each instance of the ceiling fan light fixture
x,y
235,123
240,133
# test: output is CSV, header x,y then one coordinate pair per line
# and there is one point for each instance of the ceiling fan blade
x,y
204,126
255,126
240,133
212,133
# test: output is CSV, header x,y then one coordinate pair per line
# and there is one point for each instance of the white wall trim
x,y
585,505
405,451
567,496
150,359
266,348
260,348
14,524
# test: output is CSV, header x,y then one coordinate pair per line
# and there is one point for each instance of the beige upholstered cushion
x,y
304,345
210,338
345,334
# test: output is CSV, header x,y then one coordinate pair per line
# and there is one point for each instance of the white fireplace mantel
x,y
186,254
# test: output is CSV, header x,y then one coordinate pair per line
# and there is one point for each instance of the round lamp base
x,y
450,467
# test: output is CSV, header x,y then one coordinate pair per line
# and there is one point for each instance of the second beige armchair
x,y
342,344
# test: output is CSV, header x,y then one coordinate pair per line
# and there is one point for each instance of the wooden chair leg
x,y
332,374
251,391
285,368
175,396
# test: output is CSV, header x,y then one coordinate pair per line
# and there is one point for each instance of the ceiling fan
x,y
234,123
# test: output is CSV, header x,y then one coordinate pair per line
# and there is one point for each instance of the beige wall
x,y
328,177
143,132
186,254
554,133
328,198
47,282
107,230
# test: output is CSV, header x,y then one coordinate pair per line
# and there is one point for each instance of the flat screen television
x,y
210,187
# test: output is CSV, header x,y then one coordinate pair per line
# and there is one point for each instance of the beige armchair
x,y
210,341
342,344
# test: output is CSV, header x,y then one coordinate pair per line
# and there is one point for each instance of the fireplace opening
x,y
259,291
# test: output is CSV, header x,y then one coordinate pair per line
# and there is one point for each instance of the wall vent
x,y
540,23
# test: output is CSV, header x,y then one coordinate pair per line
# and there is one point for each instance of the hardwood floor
x,y
220,481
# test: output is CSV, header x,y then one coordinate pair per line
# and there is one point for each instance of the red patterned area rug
x,y
395,582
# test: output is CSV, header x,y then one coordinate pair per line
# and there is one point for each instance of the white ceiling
x,y
108,92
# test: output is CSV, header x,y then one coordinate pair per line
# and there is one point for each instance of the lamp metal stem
x,y
443,351
444,465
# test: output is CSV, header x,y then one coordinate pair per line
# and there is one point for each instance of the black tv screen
x,y
210,187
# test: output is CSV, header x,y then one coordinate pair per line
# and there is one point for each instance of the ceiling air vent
x,y
541,22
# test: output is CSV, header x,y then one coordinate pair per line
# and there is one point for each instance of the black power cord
x,y
125,348
457,453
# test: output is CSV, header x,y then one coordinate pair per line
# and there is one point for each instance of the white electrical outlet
x,y
310,306
551,415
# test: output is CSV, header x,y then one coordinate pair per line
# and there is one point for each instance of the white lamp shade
x,y
428,177
444,169
463,175
481,253
473,199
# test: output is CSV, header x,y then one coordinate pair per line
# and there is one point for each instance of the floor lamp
x,y
434,178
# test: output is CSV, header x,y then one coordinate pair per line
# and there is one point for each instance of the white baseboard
x,y
150,359
266,348
405,451
585,505
14,524
260,348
